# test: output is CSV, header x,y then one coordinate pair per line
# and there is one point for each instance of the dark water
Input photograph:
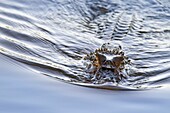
x,y
53,37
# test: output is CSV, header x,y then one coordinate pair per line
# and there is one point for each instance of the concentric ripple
x,y
95,43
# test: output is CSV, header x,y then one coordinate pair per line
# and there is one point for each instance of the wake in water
x,y
68,40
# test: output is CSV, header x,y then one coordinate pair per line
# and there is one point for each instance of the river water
x,y
53,37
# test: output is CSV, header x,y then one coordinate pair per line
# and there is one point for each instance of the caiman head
x,y
106,59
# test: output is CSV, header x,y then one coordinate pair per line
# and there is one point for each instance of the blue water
x,y
23,91
43,44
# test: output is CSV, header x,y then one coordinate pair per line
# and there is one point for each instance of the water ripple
x,y
52,37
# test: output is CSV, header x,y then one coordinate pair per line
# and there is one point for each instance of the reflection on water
x,y
53,37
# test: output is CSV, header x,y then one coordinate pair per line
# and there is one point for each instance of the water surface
x,y
53,36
